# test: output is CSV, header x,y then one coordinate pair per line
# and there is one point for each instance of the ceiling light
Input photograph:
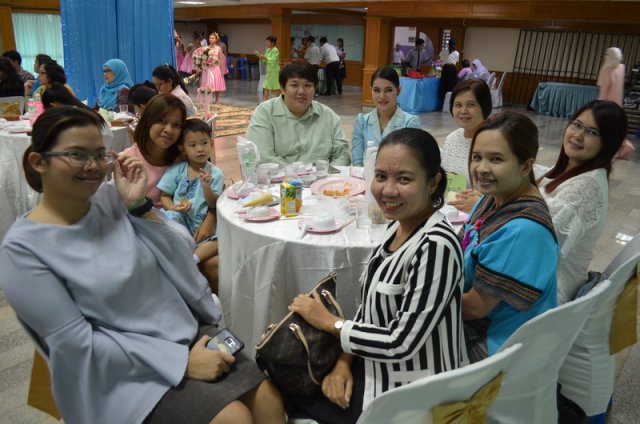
x,y
191,2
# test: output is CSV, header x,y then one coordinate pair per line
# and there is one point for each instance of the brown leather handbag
x,y
297,356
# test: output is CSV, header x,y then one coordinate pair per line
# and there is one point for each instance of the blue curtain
x,y
47,39
138,32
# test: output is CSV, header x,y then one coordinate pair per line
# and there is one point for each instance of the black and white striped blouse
x,y
409,324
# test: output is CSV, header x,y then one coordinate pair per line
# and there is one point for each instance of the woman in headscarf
x,y
117,82
479,70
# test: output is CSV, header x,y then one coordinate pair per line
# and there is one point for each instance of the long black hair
x,y
612,124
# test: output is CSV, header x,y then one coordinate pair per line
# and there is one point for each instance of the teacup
x,y
323,222
258,212
307,180
244,189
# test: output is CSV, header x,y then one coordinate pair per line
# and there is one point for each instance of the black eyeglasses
x,y
82,158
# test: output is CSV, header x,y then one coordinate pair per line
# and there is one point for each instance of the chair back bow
x,y
472,411
625,316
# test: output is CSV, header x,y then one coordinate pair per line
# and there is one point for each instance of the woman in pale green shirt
x,y
271,58
293,127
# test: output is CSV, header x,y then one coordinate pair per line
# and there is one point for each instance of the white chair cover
x,y
412,404
212,123
491,80
588,373
528,394
496,94
447,100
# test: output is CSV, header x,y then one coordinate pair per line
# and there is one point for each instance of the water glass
x,y
322,168
262,175
124,108
299,167
362,215
291,171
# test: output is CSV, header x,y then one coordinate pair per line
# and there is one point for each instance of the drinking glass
x,y
322,168
291,171
262,175
124,108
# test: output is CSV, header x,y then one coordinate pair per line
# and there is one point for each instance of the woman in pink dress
x,y
208,61
179,49
186,67
611,83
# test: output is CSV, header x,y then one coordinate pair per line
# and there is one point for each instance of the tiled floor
x,y
624,218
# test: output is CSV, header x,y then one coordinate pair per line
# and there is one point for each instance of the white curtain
x,y
37,33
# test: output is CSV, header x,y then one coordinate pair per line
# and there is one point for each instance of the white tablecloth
x,y
16,197
263,266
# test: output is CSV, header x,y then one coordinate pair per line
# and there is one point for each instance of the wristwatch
x,y
337,326
140,210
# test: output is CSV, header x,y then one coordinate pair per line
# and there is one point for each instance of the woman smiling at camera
x,y
385,118
470,105
510,249
577,191
294,127
408,325
121,311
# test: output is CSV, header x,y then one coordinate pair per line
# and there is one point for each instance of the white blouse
x,y
455,153
579,208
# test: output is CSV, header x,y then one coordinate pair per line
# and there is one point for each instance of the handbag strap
x,y
332,300
295,328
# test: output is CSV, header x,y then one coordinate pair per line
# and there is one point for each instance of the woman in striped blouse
x,y
409,323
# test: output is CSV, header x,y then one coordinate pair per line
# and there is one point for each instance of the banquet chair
x,y
587,375
212,123
496,93
239,64
12,105
445,103
414,403
528,394
491,80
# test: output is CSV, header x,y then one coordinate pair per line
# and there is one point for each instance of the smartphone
x,y
226,341
333,170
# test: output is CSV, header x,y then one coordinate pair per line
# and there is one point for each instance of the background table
x,y
419,95
561,99
16,197
263,266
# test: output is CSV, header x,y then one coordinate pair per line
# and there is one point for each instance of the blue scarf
x,y
109,92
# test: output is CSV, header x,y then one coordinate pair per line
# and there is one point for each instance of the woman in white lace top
x,y
470,105
577,191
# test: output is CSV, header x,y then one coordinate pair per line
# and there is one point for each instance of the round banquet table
x,y
264,265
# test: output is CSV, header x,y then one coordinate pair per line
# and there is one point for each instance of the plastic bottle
x,y
39,105
375,213
32,110
249,164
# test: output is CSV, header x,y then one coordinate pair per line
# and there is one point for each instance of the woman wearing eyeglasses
x,y
577,189
121,311
117,82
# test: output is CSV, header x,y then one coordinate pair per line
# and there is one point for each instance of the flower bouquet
x,y
204,59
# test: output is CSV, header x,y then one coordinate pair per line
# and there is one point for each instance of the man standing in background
x,y
313,55
332,69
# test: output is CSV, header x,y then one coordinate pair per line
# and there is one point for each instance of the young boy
x,y
189,189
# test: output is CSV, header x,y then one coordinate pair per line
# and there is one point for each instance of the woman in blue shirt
x,y
385,118
510,248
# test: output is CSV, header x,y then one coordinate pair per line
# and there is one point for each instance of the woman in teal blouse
x,y
385,118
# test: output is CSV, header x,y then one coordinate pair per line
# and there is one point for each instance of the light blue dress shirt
x,y
367,127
